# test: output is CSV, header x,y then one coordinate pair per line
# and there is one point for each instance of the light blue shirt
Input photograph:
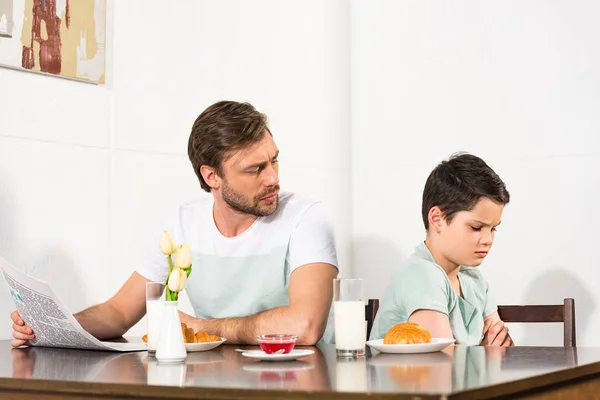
x,y
421,284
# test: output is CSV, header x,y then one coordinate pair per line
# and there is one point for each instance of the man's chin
x,y
269,208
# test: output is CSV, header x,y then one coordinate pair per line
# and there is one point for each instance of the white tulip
x,y
183,258
167,245
177,280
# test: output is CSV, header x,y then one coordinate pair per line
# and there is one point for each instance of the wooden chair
x,y
564,313
370,312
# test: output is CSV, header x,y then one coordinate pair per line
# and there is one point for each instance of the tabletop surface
x,y
458,370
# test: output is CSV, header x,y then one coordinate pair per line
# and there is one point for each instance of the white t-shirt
x,y
248,273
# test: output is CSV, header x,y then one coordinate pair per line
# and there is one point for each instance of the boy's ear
x,y
435,217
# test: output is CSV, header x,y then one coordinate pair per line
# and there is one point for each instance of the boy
x,y
439,286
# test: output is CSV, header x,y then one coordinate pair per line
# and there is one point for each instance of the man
x,y
263,262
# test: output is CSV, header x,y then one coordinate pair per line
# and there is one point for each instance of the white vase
x,y
170,347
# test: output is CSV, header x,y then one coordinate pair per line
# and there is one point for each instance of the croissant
x,y
407,333
190,337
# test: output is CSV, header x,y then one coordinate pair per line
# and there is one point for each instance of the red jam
x,y
273,347
274,343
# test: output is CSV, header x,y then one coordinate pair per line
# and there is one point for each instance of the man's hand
x,y
495,333
21,332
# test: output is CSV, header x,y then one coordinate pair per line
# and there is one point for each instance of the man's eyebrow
x,y
262,164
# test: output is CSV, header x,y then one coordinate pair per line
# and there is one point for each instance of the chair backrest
x,y
370,312
564,313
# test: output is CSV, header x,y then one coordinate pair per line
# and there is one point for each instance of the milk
x,y
154,310
349,323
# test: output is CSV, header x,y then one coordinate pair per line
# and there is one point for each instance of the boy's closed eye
x,y
478,228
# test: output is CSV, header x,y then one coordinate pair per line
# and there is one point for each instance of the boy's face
x,y
468,238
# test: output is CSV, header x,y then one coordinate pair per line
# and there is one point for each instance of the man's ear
x,y
210,177
435,218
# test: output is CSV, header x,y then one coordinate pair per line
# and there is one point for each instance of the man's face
x,y
467,239
250,181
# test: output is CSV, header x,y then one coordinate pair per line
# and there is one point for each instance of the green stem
x,y
169,296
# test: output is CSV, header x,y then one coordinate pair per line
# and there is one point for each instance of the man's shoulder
x,y
295,200
191,212
196,205
293,205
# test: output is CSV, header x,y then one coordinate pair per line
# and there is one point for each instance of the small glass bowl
x,y
277,343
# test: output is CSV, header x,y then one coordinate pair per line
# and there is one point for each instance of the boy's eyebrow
x,y
484,223
261,164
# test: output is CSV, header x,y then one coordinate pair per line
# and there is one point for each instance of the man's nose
x,y
271,176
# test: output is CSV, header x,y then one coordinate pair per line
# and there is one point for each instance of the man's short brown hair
x,y
220,130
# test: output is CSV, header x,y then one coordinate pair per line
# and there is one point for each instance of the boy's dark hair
x,y
457,185
221,129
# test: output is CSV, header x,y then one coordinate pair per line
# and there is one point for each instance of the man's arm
x,y
115,316
310,291
104,321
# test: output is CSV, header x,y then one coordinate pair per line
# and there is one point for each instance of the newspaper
x,y
51,321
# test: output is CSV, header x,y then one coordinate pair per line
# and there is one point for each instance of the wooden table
x,y
461,373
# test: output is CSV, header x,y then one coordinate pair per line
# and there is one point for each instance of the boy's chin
x,y
476,262
472,262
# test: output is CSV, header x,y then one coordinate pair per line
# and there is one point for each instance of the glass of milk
x,y
154,309
349,317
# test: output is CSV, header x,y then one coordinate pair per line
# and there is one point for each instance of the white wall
x,y
87,173
517,83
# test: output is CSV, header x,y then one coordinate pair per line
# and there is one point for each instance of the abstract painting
x,y
58,37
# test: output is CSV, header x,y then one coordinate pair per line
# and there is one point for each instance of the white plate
x,y
191,347
292,355
436,344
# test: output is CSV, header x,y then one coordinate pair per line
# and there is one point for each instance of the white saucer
x,y
292,355
436,344
191,347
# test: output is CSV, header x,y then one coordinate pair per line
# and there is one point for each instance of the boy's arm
x,y
310,291
495,333
436,322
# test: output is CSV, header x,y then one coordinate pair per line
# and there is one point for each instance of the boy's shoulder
x,y
475,275
420,265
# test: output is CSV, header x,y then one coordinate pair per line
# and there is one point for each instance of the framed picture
x,y
63,38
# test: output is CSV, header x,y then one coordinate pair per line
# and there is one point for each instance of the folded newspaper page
x,y
51,321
